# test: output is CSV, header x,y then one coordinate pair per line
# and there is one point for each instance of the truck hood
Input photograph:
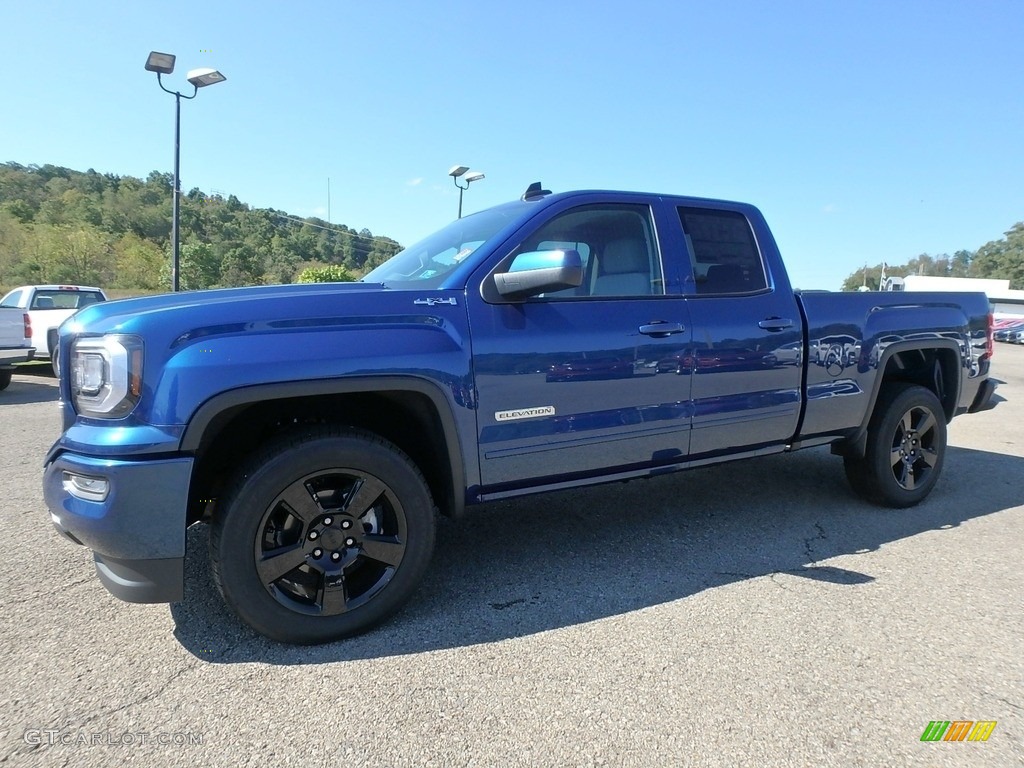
x,y
170,322
131,315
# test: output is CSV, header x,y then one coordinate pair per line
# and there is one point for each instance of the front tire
x,y
906,447
53,350
322,535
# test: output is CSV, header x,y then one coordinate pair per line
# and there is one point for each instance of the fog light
x,y
85,487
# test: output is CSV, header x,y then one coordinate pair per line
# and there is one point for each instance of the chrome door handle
x,y
660,329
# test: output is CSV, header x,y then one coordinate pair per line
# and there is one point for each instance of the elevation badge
x,y
525,413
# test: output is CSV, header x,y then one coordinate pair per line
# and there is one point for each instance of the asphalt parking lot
x,y
753,614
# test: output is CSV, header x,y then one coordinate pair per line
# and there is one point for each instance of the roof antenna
x,y
534,191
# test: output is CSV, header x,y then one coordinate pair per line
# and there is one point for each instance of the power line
x,y
349,232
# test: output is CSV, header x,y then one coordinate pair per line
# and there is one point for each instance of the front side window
x,y
723,252
616,244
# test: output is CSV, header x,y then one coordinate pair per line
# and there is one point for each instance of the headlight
x,y
106,375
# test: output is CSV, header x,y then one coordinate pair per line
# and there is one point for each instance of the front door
x,y
585,380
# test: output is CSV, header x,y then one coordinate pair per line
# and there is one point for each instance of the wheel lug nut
x,y
317,552
350,542
313,535
335,556
346,524
328,520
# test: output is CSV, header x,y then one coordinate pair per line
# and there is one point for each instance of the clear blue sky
x,y
865,131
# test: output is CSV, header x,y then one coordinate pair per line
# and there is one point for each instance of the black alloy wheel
x,y
906,447
323,536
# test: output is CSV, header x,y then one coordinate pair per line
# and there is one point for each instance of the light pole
x,y
163,64
460,171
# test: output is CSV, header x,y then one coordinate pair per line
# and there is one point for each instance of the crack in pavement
x,y
770,574
1007,702
147,697
808,549
79,726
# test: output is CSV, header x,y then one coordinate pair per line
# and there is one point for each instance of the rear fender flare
x,y
855,444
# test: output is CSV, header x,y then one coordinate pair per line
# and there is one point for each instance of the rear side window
x,y
56,299
723,252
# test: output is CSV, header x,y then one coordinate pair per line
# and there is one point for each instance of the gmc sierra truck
x,y
552,342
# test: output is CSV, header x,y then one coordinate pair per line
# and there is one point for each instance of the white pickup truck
x,y
48,306
15,342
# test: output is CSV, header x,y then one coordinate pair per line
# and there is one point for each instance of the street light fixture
x,y
201,78
163,64
460,171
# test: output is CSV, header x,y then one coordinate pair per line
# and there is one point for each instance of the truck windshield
x,y
428,262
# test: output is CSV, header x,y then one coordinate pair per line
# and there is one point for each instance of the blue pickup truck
x,y
552,342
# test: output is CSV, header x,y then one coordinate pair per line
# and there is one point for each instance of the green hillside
x,y
63,226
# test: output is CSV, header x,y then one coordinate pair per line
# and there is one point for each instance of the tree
x,y
73,254
241,266
960,265
139,263
198,267
14,248
331,273
1002,258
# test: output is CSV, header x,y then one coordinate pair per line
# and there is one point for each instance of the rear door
x,y
747,336
591,379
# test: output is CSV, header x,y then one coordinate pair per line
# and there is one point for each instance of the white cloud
x,y
414,182
830,208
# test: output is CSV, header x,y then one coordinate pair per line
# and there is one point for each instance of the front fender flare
x,y
206,414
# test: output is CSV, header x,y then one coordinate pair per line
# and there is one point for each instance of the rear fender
x,y
945,383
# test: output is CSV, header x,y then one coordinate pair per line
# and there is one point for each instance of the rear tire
x,y
322,535
5,378
906,447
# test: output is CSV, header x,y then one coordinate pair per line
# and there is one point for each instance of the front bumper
x,y
136,533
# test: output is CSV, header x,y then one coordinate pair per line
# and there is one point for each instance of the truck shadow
x,y
513,569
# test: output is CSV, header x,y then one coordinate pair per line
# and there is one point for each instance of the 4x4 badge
x,y
432,301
